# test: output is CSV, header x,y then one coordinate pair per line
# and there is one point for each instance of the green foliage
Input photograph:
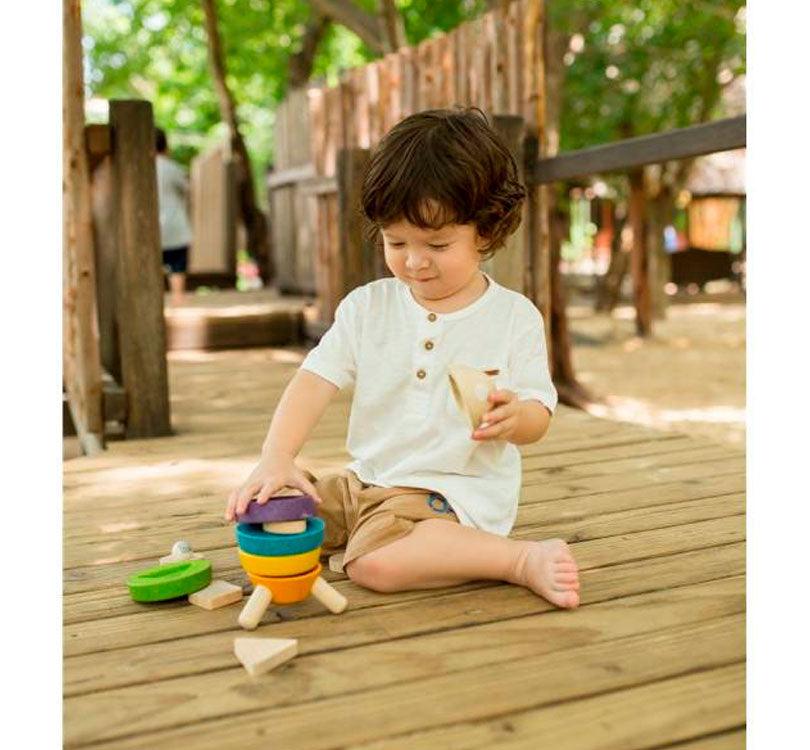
x,y
664,57
646,66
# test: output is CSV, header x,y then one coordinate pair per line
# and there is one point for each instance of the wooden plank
x,y
372,78
409,88
683,143
499,65
704,578
289,176
655,715
514,64
356,251
132,537
613,550
387,663
461,47
139,272
487,691
213,213
508,264
81,357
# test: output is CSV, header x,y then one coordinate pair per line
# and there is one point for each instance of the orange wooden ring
x,y
288,589
281,565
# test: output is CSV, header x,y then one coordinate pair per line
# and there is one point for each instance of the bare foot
x,y
549,569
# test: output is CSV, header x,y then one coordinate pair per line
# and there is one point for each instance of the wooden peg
x,y
255,608
332,599
336,562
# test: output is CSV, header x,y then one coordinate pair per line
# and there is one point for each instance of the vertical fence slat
x,y
81,359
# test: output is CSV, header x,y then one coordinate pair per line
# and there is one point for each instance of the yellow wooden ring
x,y
283,565
290,589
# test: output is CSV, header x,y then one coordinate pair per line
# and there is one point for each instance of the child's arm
x,y
300,408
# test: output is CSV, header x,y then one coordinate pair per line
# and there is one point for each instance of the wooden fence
x,y
322,137
212,256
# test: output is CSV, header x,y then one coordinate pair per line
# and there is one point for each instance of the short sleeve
x,y
335,356
528,360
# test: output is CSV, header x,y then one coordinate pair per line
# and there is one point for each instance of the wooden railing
x,y
684,143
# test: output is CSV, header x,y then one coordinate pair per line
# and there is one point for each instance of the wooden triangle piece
x,y
259,655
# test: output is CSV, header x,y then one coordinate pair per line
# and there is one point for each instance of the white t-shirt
x,y
172,187
408,432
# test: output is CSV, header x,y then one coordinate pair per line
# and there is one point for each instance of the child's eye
x,y
437,247
396,244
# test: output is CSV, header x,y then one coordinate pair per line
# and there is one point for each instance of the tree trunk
x,y
301,62
393,25
610,287
639,265
570,391
252,216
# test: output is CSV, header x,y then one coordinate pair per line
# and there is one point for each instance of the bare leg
x,y
439,553
177,285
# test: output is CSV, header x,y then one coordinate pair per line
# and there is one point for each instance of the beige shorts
x,y
363,517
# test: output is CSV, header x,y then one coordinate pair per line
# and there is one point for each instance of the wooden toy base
x,y
288,590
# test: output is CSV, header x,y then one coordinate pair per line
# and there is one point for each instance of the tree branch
x,y
365,25
393,25
301,62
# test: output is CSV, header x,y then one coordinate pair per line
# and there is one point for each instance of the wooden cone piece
x,y
470,388
255,608
259,655
333,600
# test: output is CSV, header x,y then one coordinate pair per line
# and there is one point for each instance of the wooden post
x,y
356,252
142,329
507,266
81,360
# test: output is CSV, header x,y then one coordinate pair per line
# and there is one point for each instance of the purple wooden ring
x,y
275,509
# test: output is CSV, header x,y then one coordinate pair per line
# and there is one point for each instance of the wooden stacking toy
x,y
282,566
471,389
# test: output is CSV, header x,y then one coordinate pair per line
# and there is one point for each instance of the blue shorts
x,y
175,259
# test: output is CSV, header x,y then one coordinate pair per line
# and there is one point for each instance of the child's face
x,y
434,263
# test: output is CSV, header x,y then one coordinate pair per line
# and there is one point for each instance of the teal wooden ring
x,y
169,581
254,540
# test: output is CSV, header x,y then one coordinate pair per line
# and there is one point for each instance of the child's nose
x,y
415,261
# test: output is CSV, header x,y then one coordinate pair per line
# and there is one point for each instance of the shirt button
x,y
428,345
421,374
432,317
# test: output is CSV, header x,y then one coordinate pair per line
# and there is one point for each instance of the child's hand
x,y
271,474
501,421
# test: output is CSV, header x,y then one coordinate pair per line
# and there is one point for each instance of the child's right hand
x,y
272,473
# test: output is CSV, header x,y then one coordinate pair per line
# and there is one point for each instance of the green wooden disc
x,y
170,581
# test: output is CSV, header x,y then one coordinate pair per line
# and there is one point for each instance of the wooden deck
x,y
655,656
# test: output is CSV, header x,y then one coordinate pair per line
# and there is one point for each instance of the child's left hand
x,y
501,421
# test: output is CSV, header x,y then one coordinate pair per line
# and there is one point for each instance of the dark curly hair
x,y
444,166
